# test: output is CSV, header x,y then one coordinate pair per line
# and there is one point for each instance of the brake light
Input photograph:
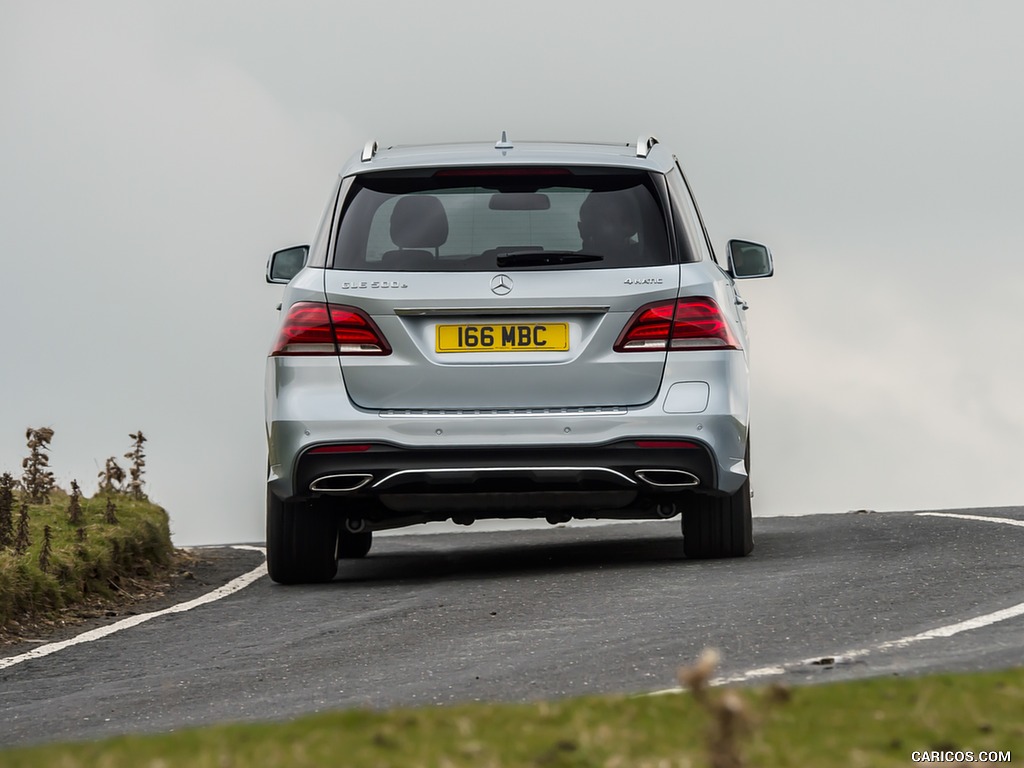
x,y
694,322
504,171
356,333
314,328
699,324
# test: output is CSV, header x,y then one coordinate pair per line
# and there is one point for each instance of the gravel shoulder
x,y
194,572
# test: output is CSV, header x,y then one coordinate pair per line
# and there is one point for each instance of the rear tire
x,y
719,526
302,542
354,545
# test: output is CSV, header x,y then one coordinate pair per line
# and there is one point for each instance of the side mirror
x,y
286,264
748,260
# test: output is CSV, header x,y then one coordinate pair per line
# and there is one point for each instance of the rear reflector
x,y
693,322
665,444
315,328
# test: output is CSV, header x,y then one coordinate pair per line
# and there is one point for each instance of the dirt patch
x,y
193,572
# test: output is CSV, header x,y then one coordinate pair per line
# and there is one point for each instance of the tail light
x,y
313,328
694,322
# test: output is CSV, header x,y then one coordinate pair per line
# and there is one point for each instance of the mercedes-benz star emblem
x,y
501,285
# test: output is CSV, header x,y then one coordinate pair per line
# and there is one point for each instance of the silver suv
x,y
526,330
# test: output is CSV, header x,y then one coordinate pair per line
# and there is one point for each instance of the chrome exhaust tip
x,y
339,483
667,478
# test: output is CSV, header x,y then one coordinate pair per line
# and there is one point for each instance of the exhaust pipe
x,y
667,478
665,511
355,525
339,483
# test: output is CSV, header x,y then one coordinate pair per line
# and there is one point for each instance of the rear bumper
x,y
516,463
535,480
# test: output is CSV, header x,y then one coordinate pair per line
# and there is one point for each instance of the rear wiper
x,y
542,258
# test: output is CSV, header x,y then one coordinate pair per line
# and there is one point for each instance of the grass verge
x,y
879,722
94,563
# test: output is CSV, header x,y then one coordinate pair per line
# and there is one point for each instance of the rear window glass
x,y
516,218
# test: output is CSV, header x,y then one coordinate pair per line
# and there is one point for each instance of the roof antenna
x,y
503,142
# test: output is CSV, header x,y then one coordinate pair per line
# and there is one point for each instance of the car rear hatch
x,y
499,289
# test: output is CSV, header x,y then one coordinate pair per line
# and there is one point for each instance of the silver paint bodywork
x,y
589,396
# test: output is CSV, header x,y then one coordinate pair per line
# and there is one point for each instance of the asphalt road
x,y
522,615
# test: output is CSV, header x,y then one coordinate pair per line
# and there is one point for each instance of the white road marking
x,y
947,631
1003,520
133,621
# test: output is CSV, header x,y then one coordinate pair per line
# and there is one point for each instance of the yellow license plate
x,y
503,337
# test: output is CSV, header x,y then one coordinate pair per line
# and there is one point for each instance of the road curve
x,y
521,615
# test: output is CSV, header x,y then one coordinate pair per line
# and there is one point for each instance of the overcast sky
x,y
153,153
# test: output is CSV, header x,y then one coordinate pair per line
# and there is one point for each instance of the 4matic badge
x,y
643,281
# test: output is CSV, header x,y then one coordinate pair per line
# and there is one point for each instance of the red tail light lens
x,y
695,322
356,333
699,324
305,331
312,328
648,329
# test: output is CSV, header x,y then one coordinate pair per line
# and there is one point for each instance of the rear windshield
x,y
475,219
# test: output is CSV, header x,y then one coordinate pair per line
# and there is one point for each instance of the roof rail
x,y
644,144
369,151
